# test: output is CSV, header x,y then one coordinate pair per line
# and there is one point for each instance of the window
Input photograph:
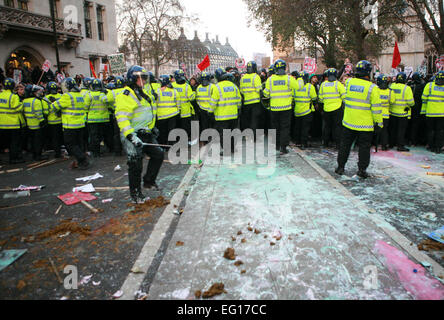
x,y
9,3
87,14
23,4
100,22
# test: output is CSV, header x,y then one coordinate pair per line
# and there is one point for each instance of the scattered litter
x,y
76,197
244,240
407,154
437,174
426,167
256,231
65,235
238,263
86,280
118,168
216,289
96,283
28,188
277,235
64,298
85,189
243,271
7,257
20,194
425,264
179,244
198,294
233,238
176,212
55,270
437,235
136,270
107,200
58,209
272,244
415,271
118,294
430,245
90,178
429,215
239,233
229,254
250,229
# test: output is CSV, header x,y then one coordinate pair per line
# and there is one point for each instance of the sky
x,y
226,18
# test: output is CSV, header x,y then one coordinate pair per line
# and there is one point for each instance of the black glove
x,y
407,109
52,99
156,132
135,140
378,129
58,113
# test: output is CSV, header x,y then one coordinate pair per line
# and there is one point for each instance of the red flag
x,y
396,57
204,64
92,69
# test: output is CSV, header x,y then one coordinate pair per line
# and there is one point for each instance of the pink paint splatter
x,y
418,284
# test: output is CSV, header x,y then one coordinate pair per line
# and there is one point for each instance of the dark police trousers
x,y
365,142
56,135
385,133
281,121
12,138
251,117
74,141
332,126
301,128
220,126
99,132
135,161
398,127
165,126
37,143
435,132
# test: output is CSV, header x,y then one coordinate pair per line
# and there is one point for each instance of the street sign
x,y
240,63
46,66
310,65
117,64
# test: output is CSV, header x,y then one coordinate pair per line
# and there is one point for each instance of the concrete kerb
x,y
146,257
436,269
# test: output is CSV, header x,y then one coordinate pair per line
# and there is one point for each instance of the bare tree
x,y
145,26
431,15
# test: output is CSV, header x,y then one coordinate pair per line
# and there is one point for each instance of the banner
x,y
310,65
117,64
17,76
240,63
46,66
204,64
440,63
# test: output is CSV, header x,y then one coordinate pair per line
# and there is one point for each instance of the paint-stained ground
x,y
103,245
400,189
291,234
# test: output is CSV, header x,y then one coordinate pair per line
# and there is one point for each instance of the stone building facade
x,y
27,38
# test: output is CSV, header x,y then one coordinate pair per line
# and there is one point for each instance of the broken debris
x,y
229,254
216,289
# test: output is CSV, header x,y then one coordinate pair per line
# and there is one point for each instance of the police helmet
x,y
439,78
165,80
219,73
363,68
271,70
179,76
9,84
96,85
111,86
251,67
86,82
134,73
205,79
280,67
51,87
70,84
152,78
383,82
401,77
332,74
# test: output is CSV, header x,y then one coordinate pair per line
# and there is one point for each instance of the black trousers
x,y
165,126
385,133
12,138
398,127
37,142
251,117
135,162
281,121
220,126
56,138
365,141
206,120
74,141
435,132
99,132
301,128
117,144
332,126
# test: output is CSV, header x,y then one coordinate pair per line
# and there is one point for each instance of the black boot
x,y
363,174
403,149
340,171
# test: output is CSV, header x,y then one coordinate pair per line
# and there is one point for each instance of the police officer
x,y
35,118
136,117
186,95
225,104
401,111
114,89
279,88
387,100
250,88
168,105
433,109
10,125
203,98
304,99
417,124
54,121
362,116
73,109
98,118
331,94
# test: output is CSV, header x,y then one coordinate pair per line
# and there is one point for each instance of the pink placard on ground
x,y
73,198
